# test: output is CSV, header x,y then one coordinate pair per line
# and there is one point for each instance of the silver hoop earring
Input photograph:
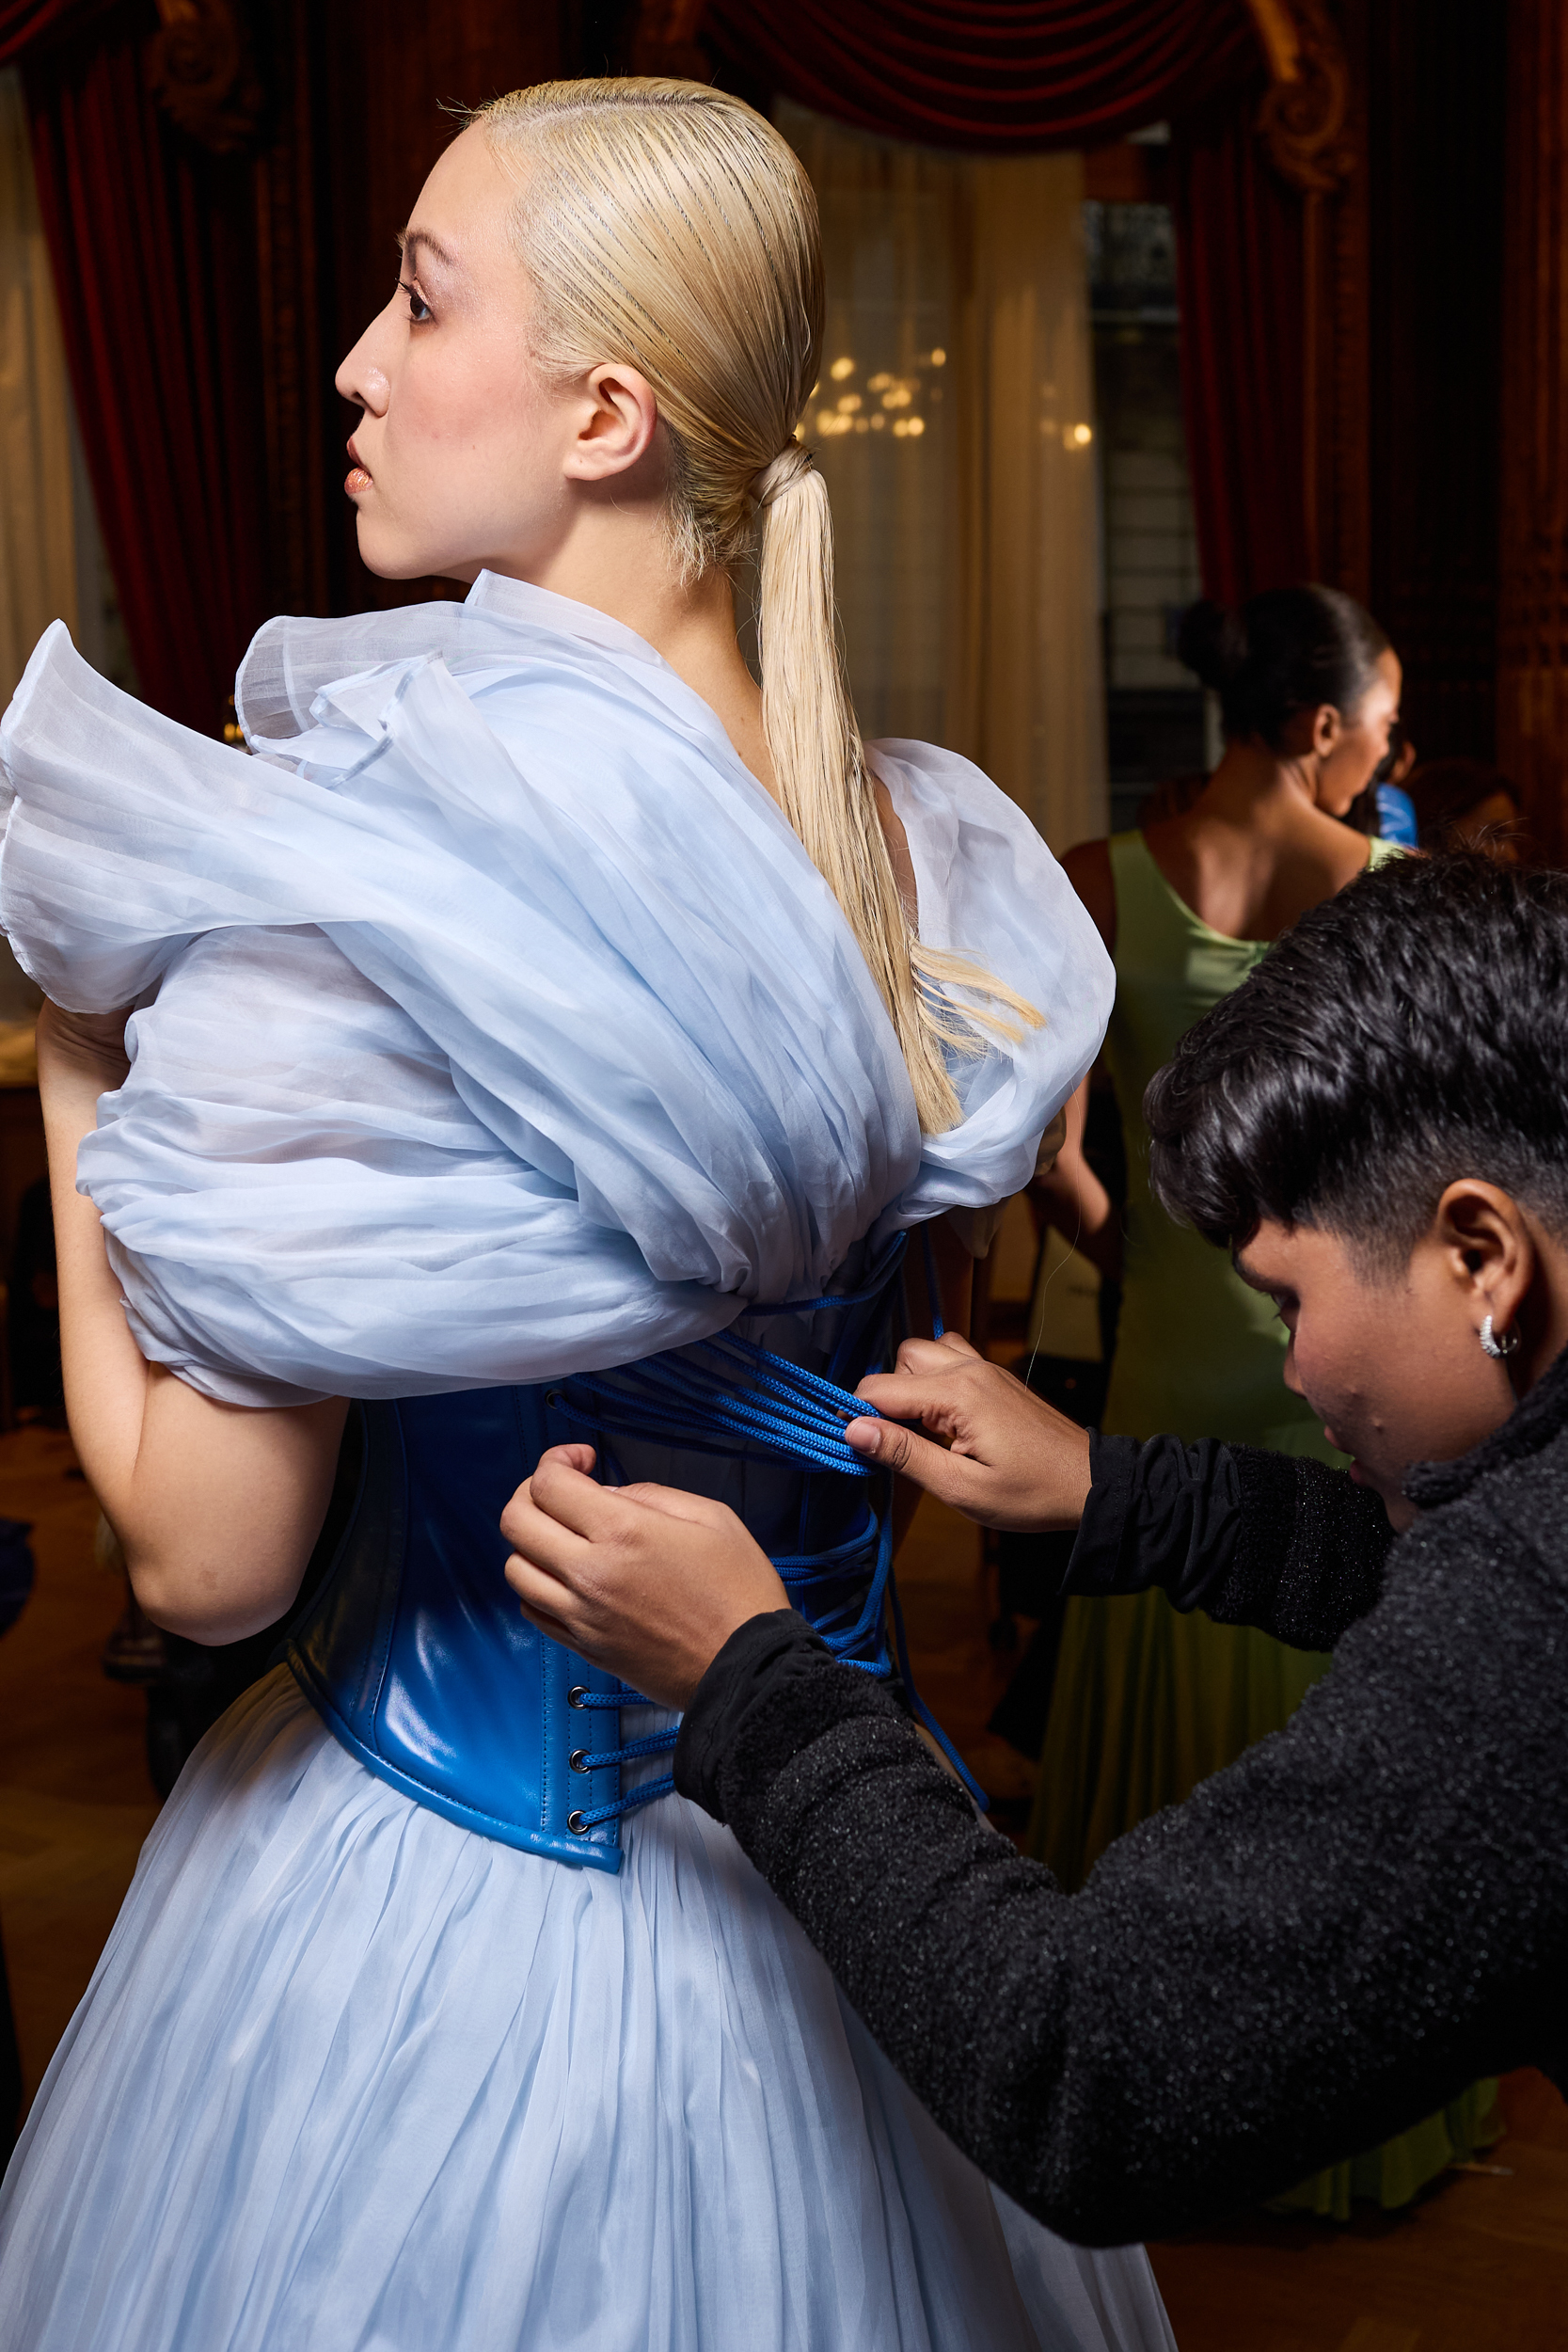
x,y
1495,1348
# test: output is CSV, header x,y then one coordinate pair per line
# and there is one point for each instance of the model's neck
x,y
1253,783
625,567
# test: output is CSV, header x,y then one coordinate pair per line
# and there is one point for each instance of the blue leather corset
x,y
414,1649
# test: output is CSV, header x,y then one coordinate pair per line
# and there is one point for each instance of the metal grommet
x,y
577,1761
552,1398
576,1823
577,1694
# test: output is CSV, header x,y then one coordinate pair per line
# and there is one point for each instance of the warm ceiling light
x,y
840,369
1083,435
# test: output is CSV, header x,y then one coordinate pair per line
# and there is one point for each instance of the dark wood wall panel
x,y
1435,73
1532,669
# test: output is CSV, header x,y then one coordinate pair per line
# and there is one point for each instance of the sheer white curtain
x,y
954,425
37,543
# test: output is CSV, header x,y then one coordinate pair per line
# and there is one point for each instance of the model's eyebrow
x,y
412,242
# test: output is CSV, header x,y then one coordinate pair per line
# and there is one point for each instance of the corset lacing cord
x,y
785,1414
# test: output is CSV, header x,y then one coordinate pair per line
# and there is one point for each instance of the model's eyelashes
x,y
418,308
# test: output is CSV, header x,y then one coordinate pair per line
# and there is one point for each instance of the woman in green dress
x,y
1149,1702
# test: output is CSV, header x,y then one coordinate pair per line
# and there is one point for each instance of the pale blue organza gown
x,y
495,1027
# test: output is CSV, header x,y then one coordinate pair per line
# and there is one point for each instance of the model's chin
x,y
390,555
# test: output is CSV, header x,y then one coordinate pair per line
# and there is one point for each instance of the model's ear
x,y
617,427
1327,727
1486,1241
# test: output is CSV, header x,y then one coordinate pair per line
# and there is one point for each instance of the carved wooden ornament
x,y
200,69
1304,119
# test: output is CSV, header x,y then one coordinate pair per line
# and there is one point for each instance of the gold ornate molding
x,y
200,69
1304,119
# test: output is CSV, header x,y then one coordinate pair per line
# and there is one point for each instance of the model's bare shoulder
x,y
1087,867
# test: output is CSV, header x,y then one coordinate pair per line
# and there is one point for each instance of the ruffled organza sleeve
x,y
492,1025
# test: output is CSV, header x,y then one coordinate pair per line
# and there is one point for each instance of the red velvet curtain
x,y
152,243
1011,74
990,74
1243,358
26,22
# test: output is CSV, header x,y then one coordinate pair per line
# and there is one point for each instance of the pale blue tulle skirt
x,y
351,2080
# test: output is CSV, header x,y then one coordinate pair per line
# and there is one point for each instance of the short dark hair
x,y
1408,1032
1289,649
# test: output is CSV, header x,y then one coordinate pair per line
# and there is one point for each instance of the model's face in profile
x,y
467,457
1393,1364
449,458
1349,753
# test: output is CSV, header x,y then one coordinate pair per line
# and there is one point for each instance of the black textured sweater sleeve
x,y
1252,1538
1326,1941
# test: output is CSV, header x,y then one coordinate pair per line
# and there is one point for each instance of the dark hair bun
x,y
1289,649
1212,643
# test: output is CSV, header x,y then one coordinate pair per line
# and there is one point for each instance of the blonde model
x,y
546,1032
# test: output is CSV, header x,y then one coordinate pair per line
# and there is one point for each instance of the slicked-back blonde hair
x,y
667,227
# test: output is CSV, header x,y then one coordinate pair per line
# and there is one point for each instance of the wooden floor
x,y
1480,2266
76,1799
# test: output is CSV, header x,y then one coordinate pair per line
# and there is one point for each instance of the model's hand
x,y
645,1580
1008,1459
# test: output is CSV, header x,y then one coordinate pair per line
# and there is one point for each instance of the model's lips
x,y
359,476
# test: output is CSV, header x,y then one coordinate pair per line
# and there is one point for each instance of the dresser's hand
x,y
646,1581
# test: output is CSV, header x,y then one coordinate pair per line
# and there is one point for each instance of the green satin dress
x,y
1147,1702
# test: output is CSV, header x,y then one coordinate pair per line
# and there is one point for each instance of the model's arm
x,y
1071,1197
217,1505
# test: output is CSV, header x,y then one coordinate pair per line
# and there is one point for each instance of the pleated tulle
x,y
349,2078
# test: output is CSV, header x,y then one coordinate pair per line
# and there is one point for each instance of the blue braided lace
x,y
730,1395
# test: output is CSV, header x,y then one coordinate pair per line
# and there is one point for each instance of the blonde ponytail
x,y
667,225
